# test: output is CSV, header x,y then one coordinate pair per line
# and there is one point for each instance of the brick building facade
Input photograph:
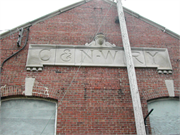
x,y
89,99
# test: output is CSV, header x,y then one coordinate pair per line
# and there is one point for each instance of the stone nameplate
x,y
93,54
70,55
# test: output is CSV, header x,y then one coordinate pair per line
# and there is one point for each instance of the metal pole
x,y
139,120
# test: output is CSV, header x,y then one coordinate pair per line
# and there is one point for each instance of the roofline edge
x,y
42,18
59,11
162,28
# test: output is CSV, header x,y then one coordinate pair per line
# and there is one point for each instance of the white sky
x,y
16,12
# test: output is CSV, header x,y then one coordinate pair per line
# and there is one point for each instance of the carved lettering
x,y
86,54
136,55
44,55
153,54
66,56
108,54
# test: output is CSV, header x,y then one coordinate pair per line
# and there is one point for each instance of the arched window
x,y
27,117
165,118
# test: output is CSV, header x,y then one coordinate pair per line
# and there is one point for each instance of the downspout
x,y
16,52
146,126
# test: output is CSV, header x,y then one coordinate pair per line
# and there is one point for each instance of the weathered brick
x,y
106,106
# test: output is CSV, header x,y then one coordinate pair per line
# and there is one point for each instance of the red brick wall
x,y
98,100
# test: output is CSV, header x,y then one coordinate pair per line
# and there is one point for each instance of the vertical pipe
x,y
140,127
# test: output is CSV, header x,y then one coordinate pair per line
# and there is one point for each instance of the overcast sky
x,y
16,12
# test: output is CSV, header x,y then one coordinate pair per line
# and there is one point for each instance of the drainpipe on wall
x,y
146,126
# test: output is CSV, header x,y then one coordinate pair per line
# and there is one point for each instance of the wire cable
x,y
74,77
17,51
